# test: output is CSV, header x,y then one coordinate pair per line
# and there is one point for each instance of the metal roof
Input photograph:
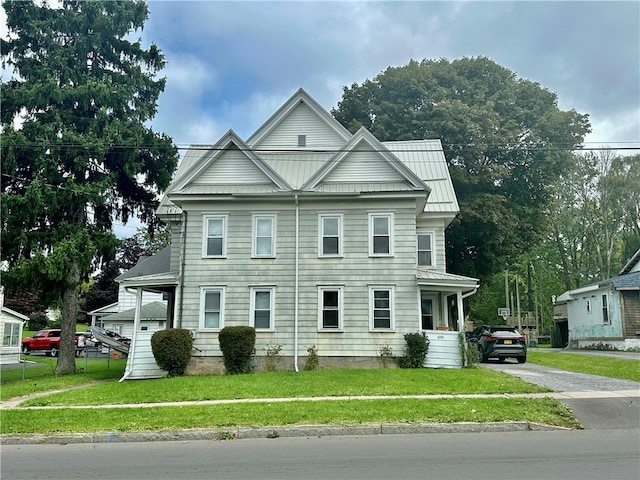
x,y
428,276
151,311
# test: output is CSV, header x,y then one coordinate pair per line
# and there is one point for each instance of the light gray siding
x,y
362,165
232,167
355,272
301,121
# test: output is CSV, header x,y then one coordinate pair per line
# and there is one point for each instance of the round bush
x,y
237,345
172,350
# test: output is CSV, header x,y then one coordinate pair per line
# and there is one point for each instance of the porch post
x,y
444,305
128,370
460,311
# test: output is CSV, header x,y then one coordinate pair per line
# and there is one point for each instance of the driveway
x,y
595,409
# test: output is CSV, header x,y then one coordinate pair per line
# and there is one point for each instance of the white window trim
x,y
321,290
205,234
321,217
252,318
11,335
389,216
254,235
433,252
391,290
203,291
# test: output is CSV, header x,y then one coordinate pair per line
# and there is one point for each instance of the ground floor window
x,y
330,308
262,308
11,335
381,308
211,308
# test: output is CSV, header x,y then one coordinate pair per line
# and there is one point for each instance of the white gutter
x,y
295,300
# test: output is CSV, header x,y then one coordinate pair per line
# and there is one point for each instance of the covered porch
x,y
441,299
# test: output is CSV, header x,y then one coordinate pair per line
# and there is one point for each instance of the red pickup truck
x,y
44,340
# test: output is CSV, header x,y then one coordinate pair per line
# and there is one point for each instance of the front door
x,y
428,319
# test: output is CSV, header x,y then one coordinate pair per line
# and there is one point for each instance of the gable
x,y
229,162
363,165
364,160
231,167
300,115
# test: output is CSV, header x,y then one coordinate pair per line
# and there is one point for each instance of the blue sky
x,y
231,64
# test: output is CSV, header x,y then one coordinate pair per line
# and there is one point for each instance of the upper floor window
x,y
330,238
211,308
380,234
262,308
214,238
330,308
425,249
381,314
264,235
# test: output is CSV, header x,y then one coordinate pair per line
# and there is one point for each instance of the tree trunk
x,y
67,355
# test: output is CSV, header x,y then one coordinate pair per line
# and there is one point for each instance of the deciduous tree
x,y
504,137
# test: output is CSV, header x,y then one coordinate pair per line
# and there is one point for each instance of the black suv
x,y
499,341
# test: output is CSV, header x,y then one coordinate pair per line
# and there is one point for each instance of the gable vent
x,y
302,140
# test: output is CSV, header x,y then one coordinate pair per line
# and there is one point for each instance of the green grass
x,y
338,412
623,368
61,419
40,379
338,382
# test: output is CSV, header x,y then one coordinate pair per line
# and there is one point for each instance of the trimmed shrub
x,y
172,350
415,351
237,345
37,321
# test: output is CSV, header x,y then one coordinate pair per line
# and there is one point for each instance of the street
x,y
578,454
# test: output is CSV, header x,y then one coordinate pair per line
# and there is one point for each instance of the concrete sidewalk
x,y
14,403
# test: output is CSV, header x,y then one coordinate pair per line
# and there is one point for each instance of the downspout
x,y
295,294
183,246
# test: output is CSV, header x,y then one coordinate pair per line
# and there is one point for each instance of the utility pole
x,y
518,304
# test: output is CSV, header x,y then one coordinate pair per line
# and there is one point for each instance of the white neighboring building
x,y
11,323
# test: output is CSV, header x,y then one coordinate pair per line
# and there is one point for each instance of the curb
x,y
276,432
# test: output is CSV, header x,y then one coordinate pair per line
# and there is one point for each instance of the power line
x,y
451,147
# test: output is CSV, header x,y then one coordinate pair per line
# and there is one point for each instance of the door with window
x,y
428,319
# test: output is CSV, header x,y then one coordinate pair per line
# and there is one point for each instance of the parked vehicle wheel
x,y
481,356
25,350
522,359
54,351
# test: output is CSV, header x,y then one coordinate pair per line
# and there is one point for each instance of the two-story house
x,y
315,237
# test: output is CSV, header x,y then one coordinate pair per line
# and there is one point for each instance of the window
x,y
425,250
215,232
264,236
380,234
117,328
426,314
302,140
330,308
11,335
262,308
588,305
381,308
211,308
605,309
330,238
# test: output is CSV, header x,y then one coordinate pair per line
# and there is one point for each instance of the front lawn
x,y
623,368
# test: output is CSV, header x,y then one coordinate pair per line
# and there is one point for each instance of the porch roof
x,y
443,279
150,311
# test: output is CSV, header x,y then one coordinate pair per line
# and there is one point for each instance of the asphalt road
x,y
567,455
599,412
